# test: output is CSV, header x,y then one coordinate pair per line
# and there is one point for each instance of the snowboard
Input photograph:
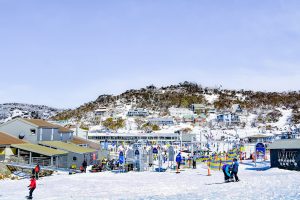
x,y
27,197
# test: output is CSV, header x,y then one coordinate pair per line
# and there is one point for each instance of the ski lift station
x,y
129,138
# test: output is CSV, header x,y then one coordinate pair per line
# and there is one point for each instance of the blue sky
x,y
65,53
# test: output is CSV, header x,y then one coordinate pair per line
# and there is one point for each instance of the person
x,y
189,160
37,171
235,169
32,187
226,171
81,169
194,161
178,161
84,165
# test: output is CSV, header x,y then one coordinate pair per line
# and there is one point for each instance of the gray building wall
x,y
79,159
66,136
16,128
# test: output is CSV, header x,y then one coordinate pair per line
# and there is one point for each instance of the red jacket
x,y
37,169
32,183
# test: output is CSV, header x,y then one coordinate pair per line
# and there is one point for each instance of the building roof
x,y
6,139
67,147
39,149
77,140
286,144
260,136
44,124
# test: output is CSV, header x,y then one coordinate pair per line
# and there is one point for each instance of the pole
x,y
200,141
180,140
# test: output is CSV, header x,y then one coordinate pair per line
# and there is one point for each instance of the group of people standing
x,y
191,160
230,171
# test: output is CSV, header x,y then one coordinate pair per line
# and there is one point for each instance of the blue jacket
x,y
178,158
235,167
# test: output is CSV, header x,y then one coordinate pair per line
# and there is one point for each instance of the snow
x,y
283,121
211,98
189,184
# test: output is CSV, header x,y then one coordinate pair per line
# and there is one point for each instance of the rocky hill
x,y
9,111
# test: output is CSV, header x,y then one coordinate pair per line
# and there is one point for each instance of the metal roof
x,y
6,139
67,147
44,124
39,149
77,140
285,144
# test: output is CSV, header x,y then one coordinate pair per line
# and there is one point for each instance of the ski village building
x,y
40,142
139,112
129,138
228,118
161,121
198,108
179,112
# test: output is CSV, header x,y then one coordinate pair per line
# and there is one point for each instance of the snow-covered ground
x,y
189,184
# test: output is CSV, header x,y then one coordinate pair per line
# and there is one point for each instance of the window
x,y
33,131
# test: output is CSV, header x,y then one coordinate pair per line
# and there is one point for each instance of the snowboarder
x,y
84,165
235,169
37,171
226,171
178,161
194,161
32,187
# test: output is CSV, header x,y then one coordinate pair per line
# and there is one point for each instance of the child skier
x,y
235,169
32,187
226,171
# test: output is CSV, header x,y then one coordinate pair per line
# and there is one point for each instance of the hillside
x,y
158,100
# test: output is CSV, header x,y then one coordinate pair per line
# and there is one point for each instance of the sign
x,y
260,150
288,159
155,151
121,157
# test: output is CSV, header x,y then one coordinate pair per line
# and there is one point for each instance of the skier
x,y
226,171
32,187
235,169
37,171
84,165
194,161
178,161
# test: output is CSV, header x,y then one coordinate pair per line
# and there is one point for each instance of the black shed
x,y
285,154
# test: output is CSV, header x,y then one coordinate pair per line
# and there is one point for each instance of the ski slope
x,y
189,184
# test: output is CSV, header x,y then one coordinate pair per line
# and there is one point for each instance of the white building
x,y
179,112
100,111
